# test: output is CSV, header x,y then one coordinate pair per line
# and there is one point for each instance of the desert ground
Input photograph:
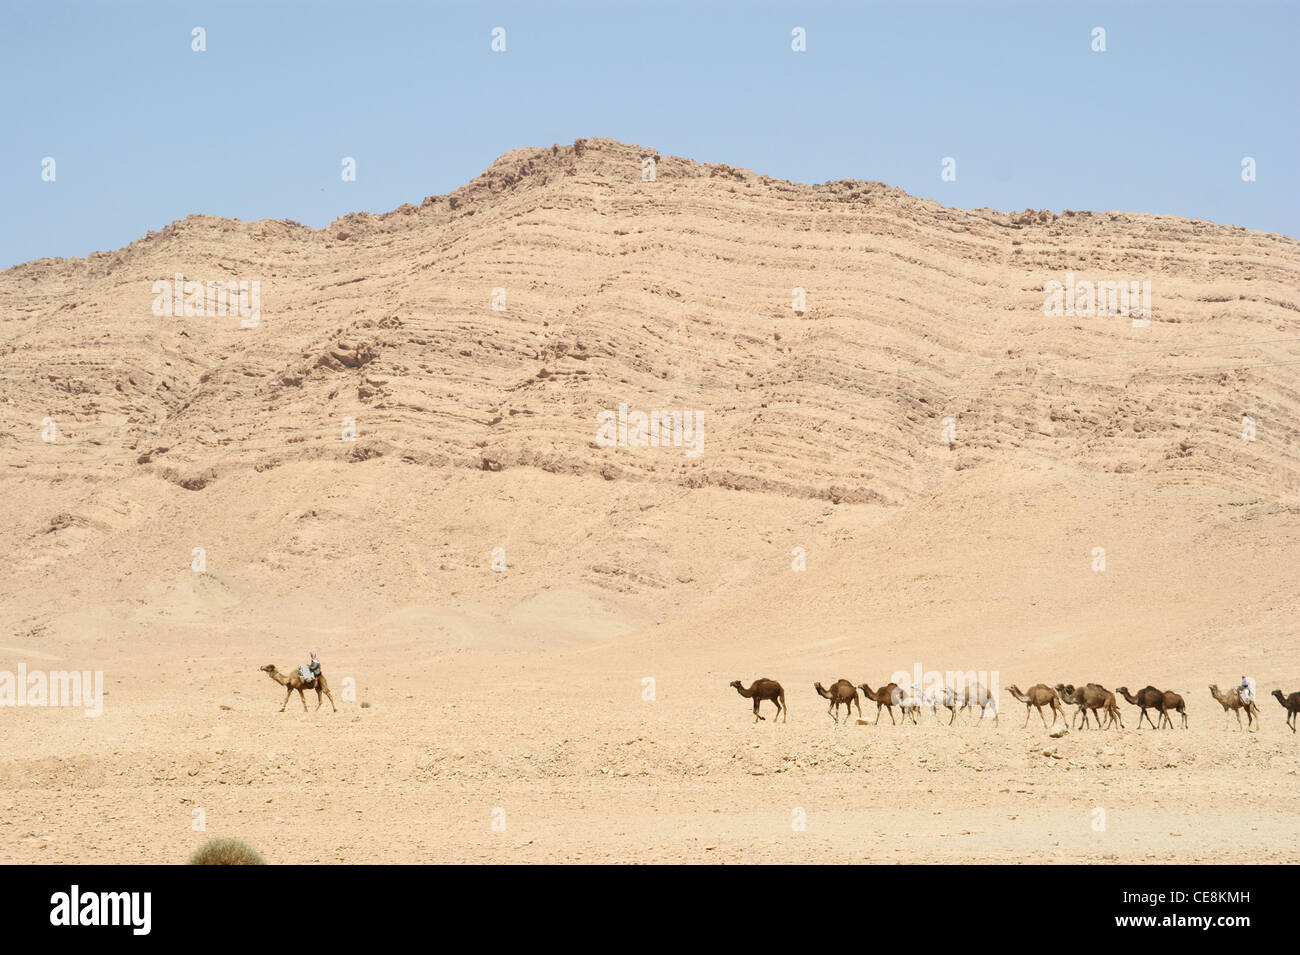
x,y
530,636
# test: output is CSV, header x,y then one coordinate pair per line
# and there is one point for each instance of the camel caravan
x,y
1093,703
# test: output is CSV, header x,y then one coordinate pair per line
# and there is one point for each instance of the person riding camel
x,y
1247,691
310,672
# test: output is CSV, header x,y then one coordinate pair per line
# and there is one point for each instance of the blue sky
x,y
144,130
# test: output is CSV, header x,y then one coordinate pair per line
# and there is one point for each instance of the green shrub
x,y
226,852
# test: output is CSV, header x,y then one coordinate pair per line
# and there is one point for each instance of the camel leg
x,y
1237,714
288,693
756,716
302,697
1044,718
953,711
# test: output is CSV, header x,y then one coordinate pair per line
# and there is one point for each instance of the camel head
x,y
269,668
737,684
1122,691
1280,698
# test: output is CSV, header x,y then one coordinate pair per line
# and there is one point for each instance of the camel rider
x,y
1247,689
310,672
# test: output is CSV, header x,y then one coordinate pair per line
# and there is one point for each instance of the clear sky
x,y
144,130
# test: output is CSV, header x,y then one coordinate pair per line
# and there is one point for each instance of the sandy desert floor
x,y
576,706
472,716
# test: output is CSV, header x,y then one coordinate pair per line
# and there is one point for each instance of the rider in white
x,y
1247,688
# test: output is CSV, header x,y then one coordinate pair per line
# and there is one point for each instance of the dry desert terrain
x,y
542,628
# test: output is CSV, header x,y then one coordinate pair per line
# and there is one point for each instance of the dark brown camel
x,y
1039,695
294,681
1232,701
1094,697
1148,698
764,689
1292,706
841,691
888,696
1173,703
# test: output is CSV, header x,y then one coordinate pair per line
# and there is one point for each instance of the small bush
x,y
365,705
226,852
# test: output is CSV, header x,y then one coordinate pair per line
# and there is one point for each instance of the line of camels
x,y
1092,698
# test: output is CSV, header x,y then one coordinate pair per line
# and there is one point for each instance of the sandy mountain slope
x,y
582,690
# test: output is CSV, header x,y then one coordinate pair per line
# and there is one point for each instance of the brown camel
x,y
888,696
1147,698
1173,702
981,697
1232,701
294,681
1039,695
943,697
764,689
1074,696
841,691
1094,697
1292,706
